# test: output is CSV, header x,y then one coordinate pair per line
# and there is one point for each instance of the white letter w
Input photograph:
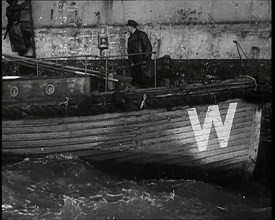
x,y
212,115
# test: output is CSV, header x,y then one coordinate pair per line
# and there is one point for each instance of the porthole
x,y
14,91
50,89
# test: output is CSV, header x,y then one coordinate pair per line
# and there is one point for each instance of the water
x,y
65,187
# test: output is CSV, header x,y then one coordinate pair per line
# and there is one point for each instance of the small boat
x,y
209,129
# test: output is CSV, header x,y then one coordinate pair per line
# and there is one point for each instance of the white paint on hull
x,y
212,116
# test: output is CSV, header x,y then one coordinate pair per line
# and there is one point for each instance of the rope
x,y
65,103
254,80
242,50
142,105
236,42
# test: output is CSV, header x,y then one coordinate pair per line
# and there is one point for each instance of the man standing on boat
x,y
138,42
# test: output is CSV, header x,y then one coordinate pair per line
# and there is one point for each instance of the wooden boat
x,y
212,128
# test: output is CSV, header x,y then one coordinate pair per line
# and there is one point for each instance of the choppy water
x,y
69,188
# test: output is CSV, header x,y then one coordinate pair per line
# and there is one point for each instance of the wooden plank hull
x,y
222,136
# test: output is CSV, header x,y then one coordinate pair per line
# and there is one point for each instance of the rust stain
x,y
255,52
52,14
108,4
97,14
189,15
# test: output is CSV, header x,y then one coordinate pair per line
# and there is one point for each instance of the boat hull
x,y
222,137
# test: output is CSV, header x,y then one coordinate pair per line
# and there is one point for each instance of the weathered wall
x,y
201,29
111,12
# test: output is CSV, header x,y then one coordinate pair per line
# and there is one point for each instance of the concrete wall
x,y
184,29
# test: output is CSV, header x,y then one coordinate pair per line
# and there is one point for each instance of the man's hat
x,y
132,23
